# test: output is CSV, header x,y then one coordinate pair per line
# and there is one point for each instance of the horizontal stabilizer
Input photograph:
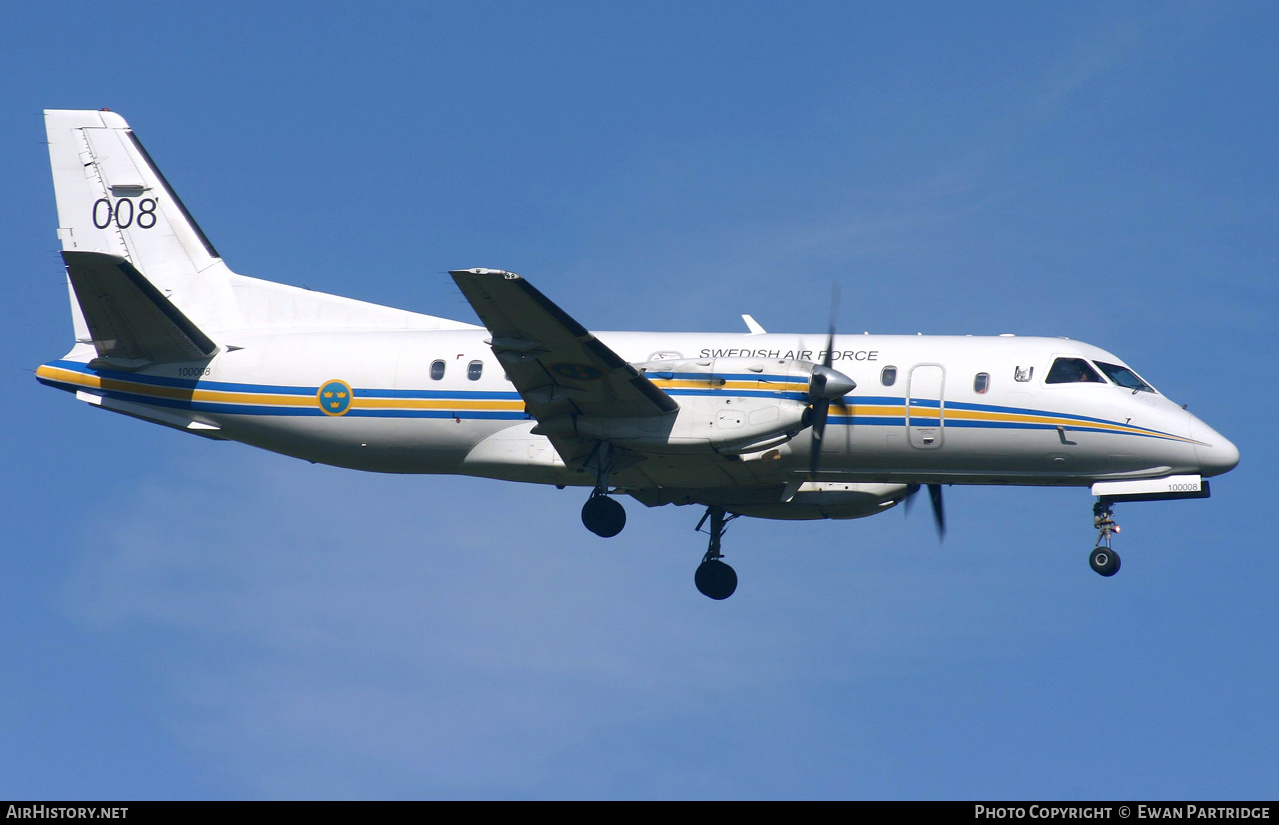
x,y
131,323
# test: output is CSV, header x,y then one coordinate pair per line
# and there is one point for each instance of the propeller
x,y
939,511
824,386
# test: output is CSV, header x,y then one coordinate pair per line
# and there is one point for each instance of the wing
x,y
558,367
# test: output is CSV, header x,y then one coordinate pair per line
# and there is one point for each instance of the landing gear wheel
x,y
715,579
1104,561
603,516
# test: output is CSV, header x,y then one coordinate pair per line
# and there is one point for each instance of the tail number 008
x,y
123,213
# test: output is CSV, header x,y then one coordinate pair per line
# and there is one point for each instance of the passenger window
x,y
437,370
1073,371
981,383
474,369
888,377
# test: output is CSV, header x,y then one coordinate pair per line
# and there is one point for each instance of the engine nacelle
x,y
726,405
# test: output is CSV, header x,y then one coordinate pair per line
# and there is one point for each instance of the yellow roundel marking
x,y
334,397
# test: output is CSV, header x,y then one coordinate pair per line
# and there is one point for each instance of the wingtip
x,y
481,271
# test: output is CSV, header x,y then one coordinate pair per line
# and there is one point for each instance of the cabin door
x,y
925,407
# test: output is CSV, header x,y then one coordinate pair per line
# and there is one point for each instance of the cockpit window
x,y
1072,371
1124,377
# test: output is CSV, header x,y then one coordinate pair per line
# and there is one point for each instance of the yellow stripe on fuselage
x,y
720,384
952,414
1052,421
173,393
95,382
436,404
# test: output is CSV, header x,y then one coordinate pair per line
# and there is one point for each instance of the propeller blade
x,y
821,406
826,385
934,495
817,384
939,512
830,336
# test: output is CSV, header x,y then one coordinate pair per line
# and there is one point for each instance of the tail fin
x,y
112,199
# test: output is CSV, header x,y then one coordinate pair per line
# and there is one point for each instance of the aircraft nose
x,y
1215,452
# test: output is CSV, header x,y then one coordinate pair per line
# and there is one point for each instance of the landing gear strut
x,y
1102,559
713,578
602,515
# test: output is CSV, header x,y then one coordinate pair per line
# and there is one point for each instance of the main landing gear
x,y
713,578
1102,559
602,515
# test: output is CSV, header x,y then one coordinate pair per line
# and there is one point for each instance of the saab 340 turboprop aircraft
x,y
751,424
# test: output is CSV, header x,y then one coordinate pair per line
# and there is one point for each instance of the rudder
x,y
113,199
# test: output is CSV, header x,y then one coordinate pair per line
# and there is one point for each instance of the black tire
x,y
715,580
1104,561
603,516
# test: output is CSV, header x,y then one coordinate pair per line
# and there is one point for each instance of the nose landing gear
x,y
714,578
1102,559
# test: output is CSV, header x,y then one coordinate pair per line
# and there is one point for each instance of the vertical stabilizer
x,y
112,199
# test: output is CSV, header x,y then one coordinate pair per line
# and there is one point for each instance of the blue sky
x,y
186,619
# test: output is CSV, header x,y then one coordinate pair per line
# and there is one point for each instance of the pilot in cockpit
x,y
1073,371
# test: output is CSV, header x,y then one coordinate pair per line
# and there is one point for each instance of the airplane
x,y
767,425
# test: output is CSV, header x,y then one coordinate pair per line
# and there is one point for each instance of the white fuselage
x,y
930,424
758,424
